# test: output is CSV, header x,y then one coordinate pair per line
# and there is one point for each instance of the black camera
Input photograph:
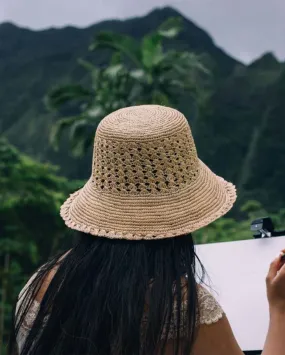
x,y
262,227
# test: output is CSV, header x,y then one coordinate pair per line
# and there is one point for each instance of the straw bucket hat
x,y
147,181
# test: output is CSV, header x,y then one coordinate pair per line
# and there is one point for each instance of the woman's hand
x,y
275,282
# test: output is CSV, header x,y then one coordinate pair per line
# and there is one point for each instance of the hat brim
x,y
137,217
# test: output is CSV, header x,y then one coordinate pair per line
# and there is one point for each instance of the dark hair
x,y
116,297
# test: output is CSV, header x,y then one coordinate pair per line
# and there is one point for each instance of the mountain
x,y
266,61
241,132
32,62
238,133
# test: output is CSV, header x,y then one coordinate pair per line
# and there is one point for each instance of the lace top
x,y
209,312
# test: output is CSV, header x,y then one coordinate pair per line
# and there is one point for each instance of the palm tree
x,y
83,108
163,75
139,73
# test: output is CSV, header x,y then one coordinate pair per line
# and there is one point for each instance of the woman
x,y
130,285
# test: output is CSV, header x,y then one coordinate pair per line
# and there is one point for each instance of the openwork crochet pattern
x,y
147,180
145,167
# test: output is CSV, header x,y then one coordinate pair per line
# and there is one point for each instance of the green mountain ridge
x,y
55,41
31,62
266,61
239,133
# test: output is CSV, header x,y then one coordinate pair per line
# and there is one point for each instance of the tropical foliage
x,y
229,229
239,130
140,72
111,88
164,75
30,227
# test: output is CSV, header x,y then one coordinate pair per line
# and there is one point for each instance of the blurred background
x,y
64,66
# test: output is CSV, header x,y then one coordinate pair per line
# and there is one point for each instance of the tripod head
x,y
264,228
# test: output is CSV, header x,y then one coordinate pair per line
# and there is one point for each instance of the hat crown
x,y
147,181
144,150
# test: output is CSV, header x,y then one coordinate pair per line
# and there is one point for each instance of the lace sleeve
x,y
27,324
30,317
210,310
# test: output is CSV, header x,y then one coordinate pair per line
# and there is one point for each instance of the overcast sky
x,y
244,28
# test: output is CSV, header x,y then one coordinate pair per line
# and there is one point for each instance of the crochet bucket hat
x,y
147,181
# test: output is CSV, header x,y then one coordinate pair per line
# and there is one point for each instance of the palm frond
x,y
79,136
113,71
116,58
160,98
86,64
59,127
94,113
152,52
118,42
171,27
64,94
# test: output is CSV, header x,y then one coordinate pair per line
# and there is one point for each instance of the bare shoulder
x,y
213,339
45,284
216,339
47,280
214,335
214,332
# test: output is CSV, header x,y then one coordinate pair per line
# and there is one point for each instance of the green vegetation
x,y
153,76
229,229
236,118
34,62
30,227
238,130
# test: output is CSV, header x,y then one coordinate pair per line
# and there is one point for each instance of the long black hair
x,y
116,297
